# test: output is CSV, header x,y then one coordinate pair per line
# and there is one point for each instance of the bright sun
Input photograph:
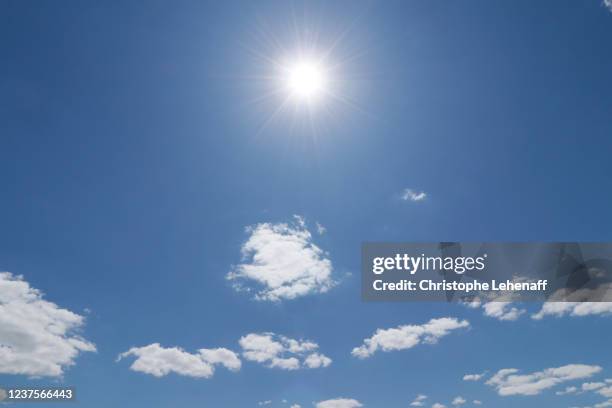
x,y
306,80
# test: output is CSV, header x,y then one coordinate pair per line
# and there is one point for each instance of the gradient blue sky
x,y
133,156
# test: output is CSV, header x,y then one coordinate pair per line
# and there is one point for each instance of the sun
x,y
306,80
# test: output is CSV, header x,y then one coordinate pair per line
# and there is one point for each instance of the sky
x,y
178,231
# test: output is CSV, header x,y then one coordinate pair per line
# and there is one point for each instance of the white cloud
x,y
413,195
576,309
296,406
276,351
592,386
264,403
502,311
283,262
568,390
606,391
438,405
508,382
497,307
458,401
317,360
608,4
159,361
473,377
320,229
37,337
339,403
477,402
405,337
418,401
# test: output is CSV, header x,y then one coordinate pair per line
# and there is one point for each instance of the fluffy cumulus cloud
x,y
498,309
412,195
281,261
458,401
419,401
37,337
504,311
276,351
160,361
438,405
508,381
603,388
608,4
406,337
339,403
575,309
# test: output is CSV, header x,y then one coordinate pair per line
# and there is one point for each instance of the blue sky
x,y
138,144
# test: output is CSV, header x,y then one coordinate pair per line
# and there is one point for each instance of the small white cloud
x,y
574,309
502,311
339,403
412,195
477,402
568,390
276,351
406,337
320,229
592,386
283,263
508,382
458,401
438,405
605,391
419,401
296,406
159,361
608,4
37,337
264,403
473,377
317,360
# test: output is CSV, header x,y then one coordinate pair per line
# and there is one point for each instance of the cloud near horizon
x,y
37,337
339,403
281,262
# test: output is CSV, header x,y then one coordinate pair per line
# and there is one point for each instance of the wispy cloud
x,y
276,351
608,4
406,337
508,381
419,401
37,337
575,309
413,195
159,361
473,377
281,261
